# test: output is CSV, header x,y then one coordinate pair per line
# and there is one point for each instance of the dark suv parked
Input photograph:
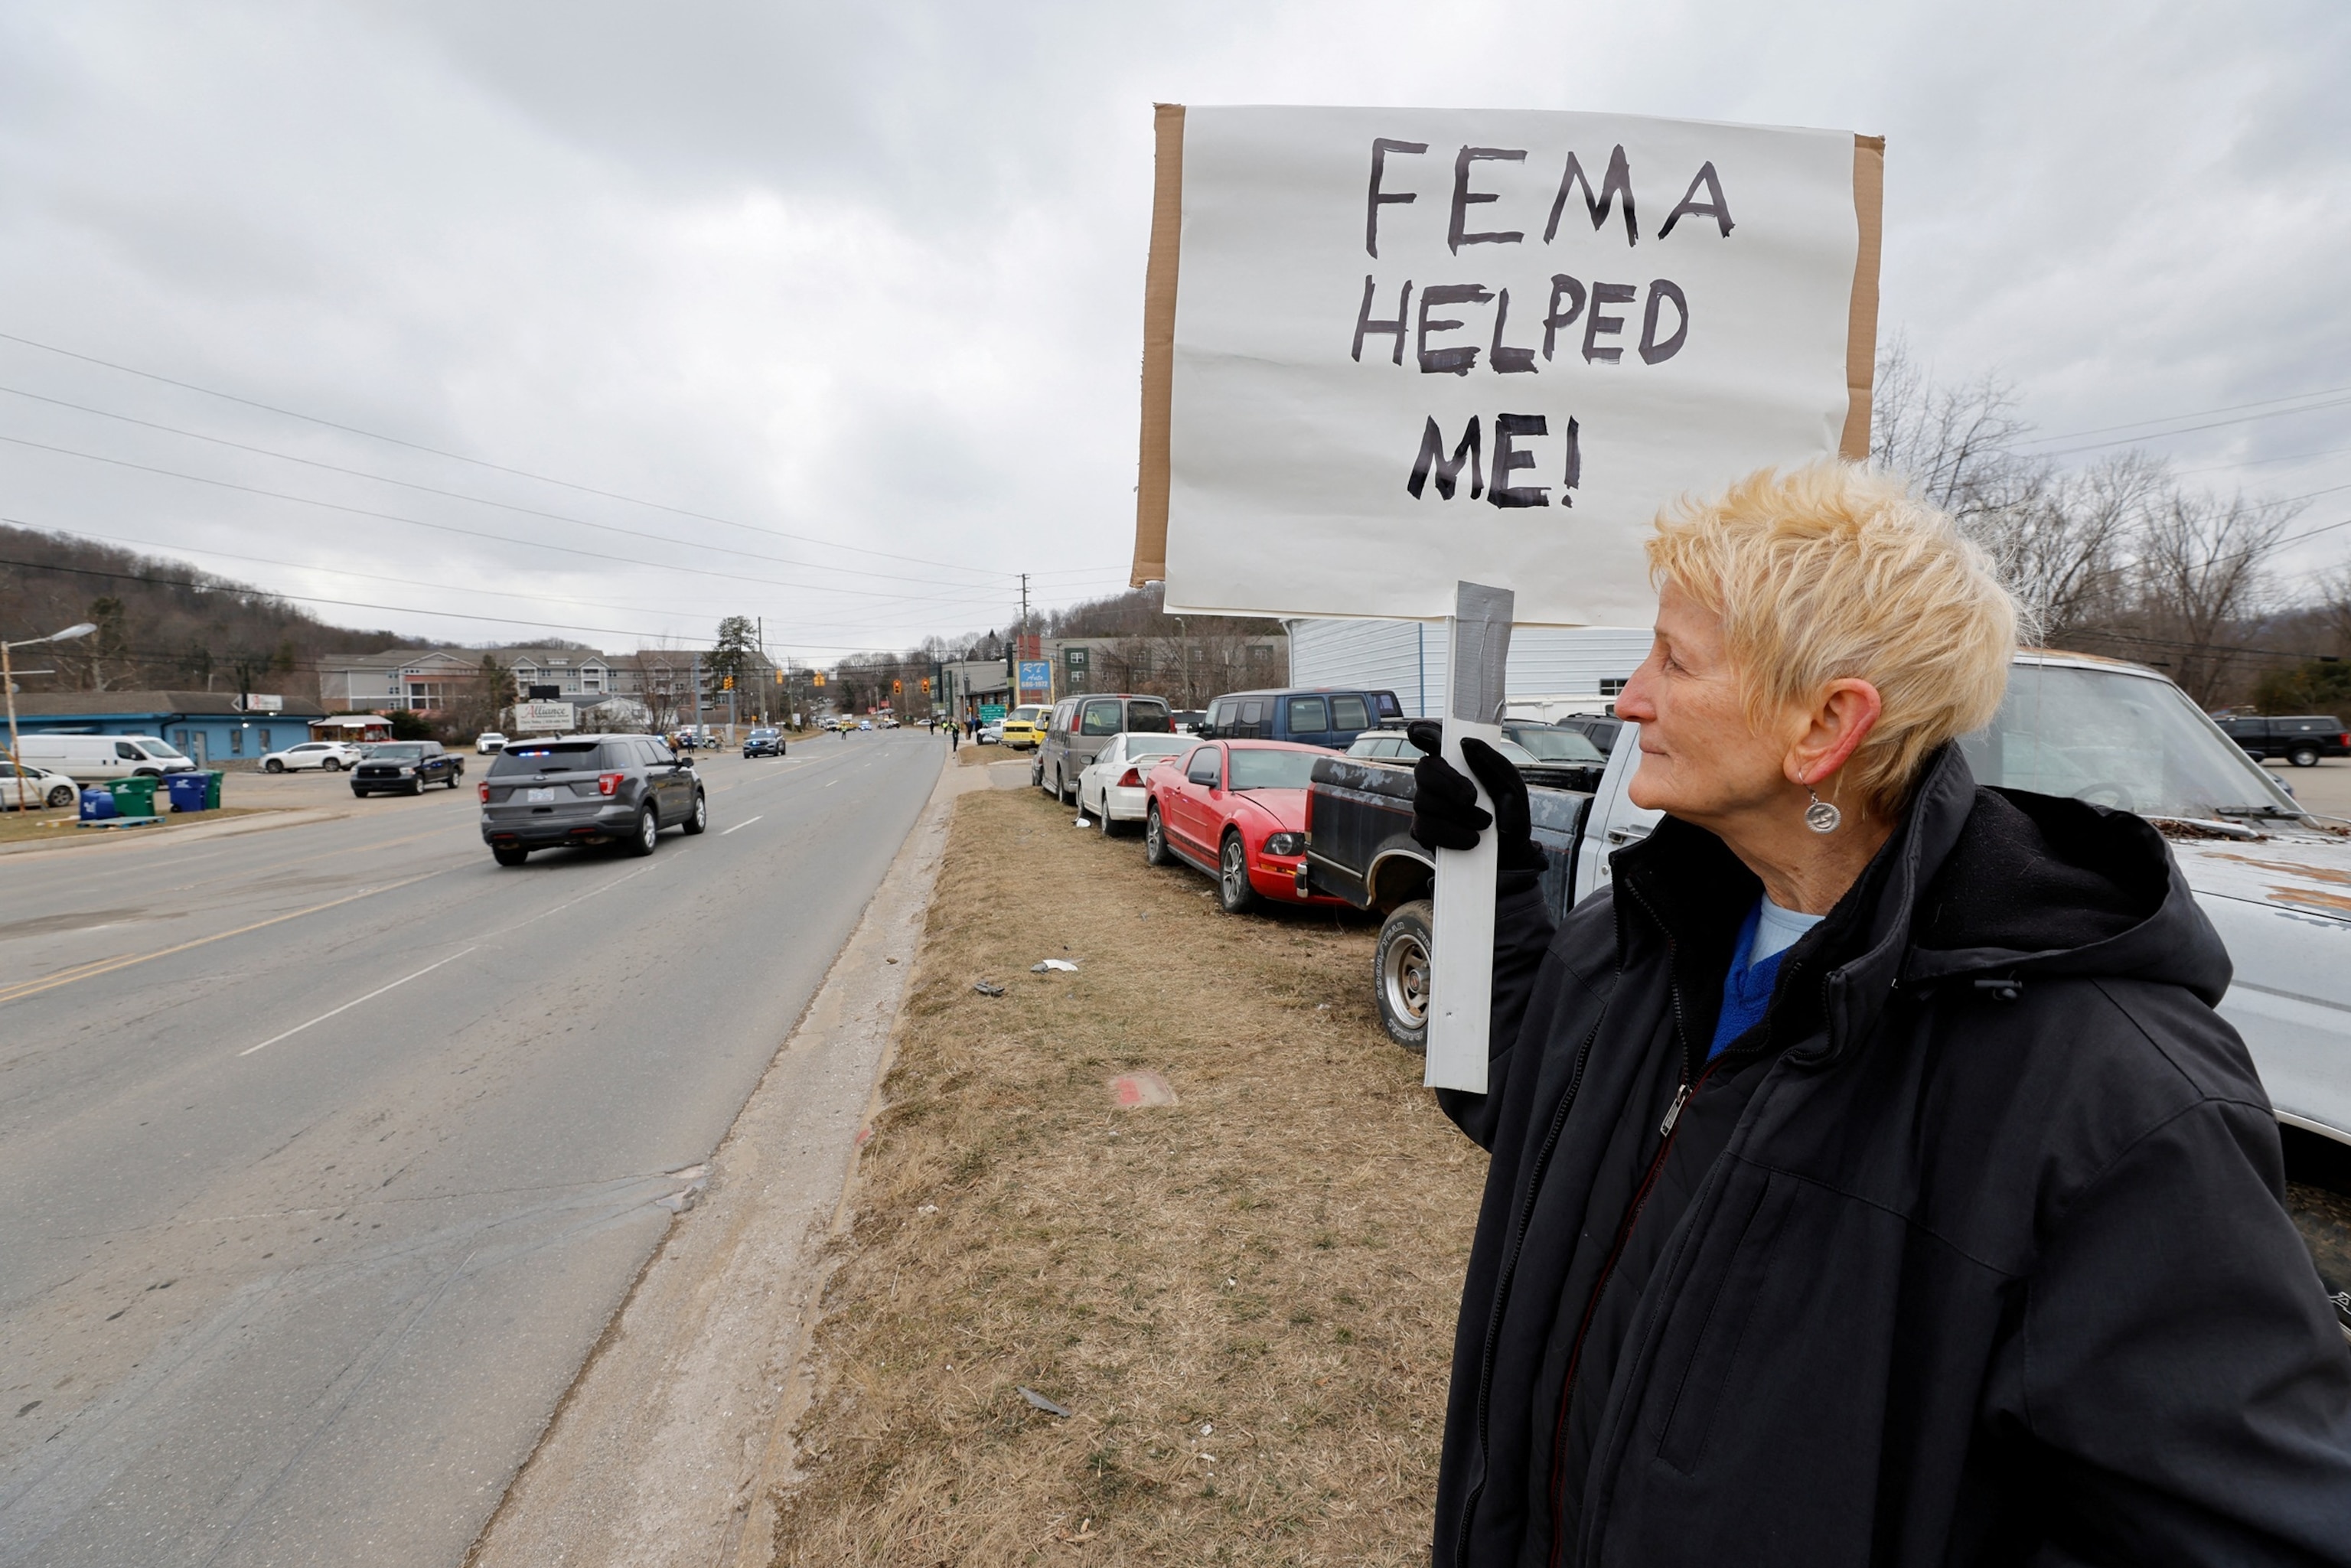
x,y
1319,716
586,789
2301,740
1080,727
405,768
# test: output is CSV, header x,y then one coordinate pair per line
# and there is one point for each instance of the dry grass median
x,y
1244,1301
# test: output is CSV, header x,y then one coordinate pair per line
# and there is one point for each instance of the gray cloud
x,y
872,274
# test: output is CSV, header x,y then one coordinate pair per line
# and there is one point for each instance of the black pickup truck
x,y
1359,847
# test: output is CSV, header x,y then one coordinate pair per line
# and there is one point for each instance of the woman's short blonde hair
x,y
1833,571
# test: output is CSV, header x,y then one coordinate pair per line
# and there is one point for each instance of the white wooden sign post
x,y
1388,353
1461,966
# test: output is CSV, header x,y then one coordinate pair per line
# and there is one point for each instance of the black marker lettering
x,y
1365,326
1381,148
1464,197
1508,457
1595,323
1458,361
1714,206
1618,182
1652,350
1506,361
1554,318
1432,452
1575,462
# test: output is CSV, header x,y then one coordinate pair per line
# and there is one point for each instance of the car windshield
x,y
1558,746
1139,747
1514,754
1256,769
410,751
2116,739
157,748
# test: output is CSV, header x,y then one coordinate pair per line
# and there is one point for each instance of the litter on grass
x,y
1040,1401
1047,966
1082,822
987,987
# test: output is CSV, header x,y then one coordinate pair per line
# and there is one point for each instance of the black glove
x,y
1445,811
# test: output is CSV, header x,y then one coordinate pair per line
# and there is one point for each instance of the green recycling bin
x,y
133,796
212,791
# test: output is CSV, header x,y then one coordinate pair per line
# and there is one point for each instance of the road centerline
x,y
347,1006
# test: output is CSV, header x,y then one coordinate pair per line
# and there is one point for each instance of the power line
x,y
2185,430
972,595
452,457
2196,413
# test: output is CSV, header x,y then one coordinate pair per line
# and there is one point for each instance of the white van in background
x,y
85,759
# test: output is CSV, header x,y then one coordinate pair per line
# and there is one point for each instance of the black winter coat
x,y
1984,1260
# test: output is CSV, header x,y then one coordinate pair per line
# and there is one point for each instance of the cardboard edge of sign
x,y
1159,326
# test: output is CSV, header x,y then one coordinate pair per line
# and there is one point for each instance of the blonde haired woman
x,y
1873,1181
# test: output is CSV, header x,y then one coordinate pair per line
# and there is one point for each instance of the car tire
x,y
509,854
699,818
648,832
1154,838
2303,757
273,766
331,765
1037,774
1234,892
62,796
416,786
455,777
1400,974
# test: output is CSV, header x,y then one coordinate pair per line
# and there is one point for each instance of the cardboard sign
x,y
1389,349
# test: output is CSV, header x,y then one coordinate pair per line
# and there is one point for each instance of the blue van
x,y
1311,716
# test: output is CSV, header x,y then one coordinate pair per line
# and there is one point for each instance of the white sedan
x,y
1110,790
328,756
41,788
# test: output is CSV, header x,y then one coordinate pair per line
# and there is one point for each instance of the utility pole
x,y
1024,604
698,698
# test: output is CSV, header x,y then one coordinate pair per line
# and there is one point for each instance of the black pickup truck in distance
x,y
1359,847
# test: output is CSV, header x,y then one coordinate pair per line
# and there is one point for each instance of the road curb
x,y
676,1432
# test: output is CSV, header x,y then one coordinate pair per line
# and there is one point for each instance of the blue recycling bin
x,y
96,805
188,790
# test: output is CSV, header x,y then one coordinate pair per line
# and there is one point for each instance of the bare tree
x,y
2200,574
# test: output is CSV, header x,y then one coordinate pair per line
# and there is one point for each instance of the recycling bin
x,y
97,804
188,790
212,791
133,796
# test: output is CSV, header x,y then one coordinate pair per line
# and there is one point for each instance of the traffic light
x,y
726,683
780,677
820,677
896,687
927,684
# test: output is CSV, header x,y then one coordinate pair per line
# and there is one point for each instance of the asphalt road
x,y
330,1150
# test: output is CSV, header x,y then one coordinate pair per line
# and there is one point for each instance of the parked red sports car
x,y
1236,810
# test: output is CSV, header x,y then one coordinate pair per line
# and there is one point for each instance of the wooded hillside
x,y
160,622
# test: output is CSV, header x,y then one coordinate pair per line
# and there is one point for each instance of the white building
x,y
1408,658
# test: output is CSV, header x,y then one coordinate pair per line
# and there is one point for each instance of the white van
x,y
86,758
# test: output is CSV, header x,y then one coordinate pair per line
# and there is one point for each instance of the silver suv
x,y
588,789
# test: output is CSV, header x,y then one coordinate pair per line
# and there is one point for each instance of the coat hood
x,y
1978,884
2043,884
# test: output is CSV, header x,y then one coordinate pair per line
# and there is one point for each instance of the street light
x,y
8,684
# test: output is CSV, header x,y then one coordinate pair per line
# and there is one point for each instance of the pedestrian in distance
x,y
1873,1181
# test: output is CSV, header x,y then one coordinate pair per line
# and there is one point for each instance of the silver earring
x,y
1820,816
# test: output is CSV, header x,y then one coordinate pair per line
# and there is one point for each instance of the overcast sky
x,y
866,280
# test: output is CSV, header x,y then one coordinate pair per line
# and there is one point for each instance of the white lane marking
x,y
347,1006
834,781
739,826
